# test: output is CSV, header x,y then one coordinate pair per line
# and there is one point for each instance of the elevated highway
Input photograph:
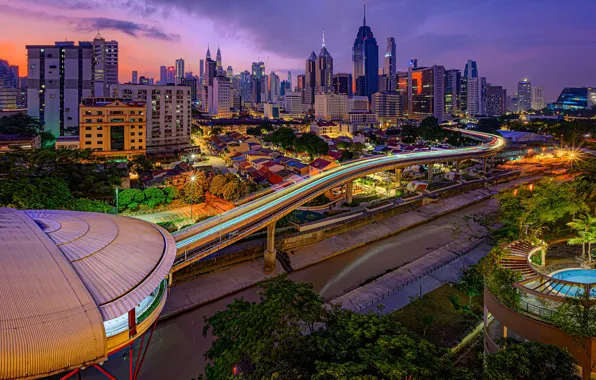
x,y
213,234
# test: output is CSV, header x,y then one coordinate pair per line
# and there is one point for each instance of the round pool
x,y
581,276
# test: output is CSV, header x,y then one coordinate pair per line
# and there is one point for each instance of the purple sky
x,y
551,42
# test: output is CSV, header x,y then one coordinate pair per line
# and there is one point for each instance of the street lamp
x,y
117,189
192,193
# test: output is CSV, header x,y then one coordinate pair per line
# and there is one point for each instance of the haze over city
x,y
510,40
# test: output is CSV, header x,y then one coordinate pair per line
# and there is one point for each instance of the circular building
x,y
76,287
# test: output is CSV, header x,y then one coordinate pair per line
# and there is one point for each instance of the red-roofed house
x,y
319,166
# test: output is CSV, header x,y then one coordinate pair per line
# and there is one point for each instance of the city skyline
x,y
534,41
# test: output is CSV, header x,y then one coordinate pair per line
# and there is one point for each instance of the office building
x,y
113,128
358,103
163,75
290,80
168,114
331,106
524,93
293,104
402,87
105,65
390,63
179,71
324,71
452,92
537,102
274,87
22,97
192,82
310,78
471,88
201,70
8,79
230,72
496,101
146,81
342,83
426,92
271,111
218,60
365,62
300,82
388,107
9,98
245,85
58,77
575,99
135,77
220,102
384,82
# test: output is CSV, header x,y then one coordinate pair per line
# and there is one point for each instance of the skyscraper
x,y
274,87
179,70
230,72
426,92
290,80
324,71
258,82
310,73
524,93
163,75
390,67
245,85
7,77
537,98
218,59
135,77
105,65
496,98
201,70
472,86
365,62
452,91
58,77
342,83
208,55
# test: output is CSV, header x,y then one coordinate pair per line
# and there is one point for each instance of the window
x,y
52,96
87,128
140,133
133,140
99,135
99,128
87,142
88,135
140,140
132,133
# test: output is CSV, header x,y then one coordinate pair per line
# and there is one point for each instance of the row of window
x,y
99,128
101,142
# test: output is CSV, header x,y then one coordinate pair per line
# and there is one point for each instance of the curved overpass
x,y
215,233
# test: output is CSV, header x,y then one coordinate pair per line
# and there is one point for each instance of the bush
x,y
88,205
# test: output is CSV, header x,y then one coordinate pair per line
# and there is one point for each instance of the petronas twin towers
x,y
318,74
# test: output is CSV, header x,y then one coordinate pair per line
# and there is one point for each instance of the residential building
x,y
113,128
496,101
179,71
320,165
58,77
168,114
390,63
324,71
358,104
310,79
452,92
220,101
537,102
363,119
9,98
293,104
426,92
7,75
8,143
342,83
274,87
271,111
171,75
105,66
22,97
193,83
331,106
163,75
135,77
388,107
365,61
524,93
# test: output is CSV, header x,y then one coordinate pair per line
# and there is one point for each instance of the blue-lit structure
x,y
572,98
365,62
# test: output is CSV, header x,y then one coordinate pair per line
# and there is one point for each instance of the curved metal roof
x,y
62,274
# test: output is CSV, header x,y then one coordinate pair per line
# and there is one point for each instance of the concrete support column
x,y
484,161
430,172
349,191
398,173
270,251
457,166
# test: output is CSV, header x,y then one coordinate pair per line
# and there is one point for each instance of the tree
x,y
472,282
154,196
291,334
254,131
35,193
217,184
500,283
89,205
20,124
194,191
141,163
231,191
530,360
130,199
312,144
283,137
488,125
171,193
585,225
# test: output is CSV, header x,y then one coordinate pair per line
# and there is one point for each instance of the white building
x,y
293,104
58,77
168,114
271,111
179,71
331,106
363,119
105,66
332,129
220,101
388,105
537,102
358,103
274,87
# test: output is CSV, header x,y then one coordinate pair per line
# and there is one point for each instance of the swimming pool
x,y
582,276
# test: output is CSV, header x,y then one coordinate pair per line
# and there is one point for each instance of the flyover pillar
x,y
457,166
398,173
484,161
430,172
270,251
349,191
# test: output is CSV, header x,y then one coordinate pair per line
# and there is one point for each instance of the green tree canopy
x,y
20,124
283,137
312,144
130,199
35,193
154,196
488,125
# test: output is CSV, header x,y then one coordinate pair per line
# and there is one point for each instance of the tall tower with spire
x,y
208,56
324,70
218,58
365,61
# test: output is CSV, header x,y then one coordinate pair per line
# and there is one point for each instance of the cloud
x,y
129,27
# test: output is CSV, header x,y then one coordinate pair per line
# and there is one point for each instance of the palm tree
x,y
583,225
590,238
577,241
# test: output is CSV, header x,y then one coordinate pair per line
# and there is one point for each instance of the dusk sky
x,y
551,42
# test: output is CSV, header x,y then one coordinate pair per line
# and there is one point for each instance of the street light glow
x,y
193,178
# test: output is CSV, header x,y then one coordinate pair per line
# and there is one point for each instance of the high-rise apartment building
x,y
135,77
342,83
426,92
171,75
390,63
324,71
496,101
168,114
365,61
452,92
105,65
471,89
58,77
310,75
388,107
537,102
113,128
290,80
331,106
245,86
179,71
163,75
274,87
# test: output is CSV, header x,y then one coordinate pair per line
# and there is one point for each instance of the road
x,y
177,348
206,237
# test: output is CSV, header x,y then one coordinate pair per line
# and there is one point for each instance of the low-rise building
x,y
363,119
114,129
67,142
9,143
332,129
320,165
